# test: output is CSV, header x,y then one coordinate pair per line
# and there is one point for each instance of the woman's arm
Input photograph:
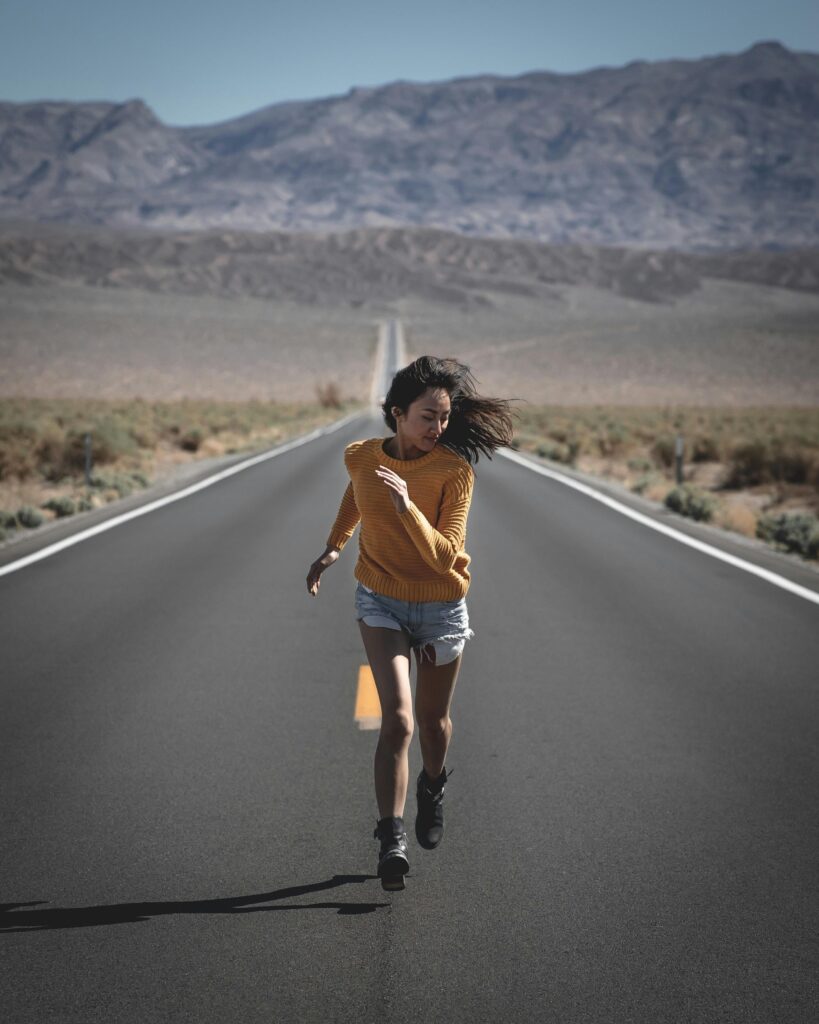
x,y
317,568
342,530
346,520
440,547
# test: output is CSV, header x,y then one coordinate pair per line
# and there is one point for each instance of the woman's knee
x,y
397,727
433,725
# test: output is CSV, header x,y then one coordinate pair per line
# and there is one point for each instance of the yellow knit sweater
x,y
417,555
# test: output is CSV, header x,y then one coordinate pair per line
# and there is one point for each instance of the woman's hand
x,y
318,567
397,486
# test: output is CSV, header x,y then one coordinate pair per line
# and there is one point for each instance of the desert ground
x,y
284,319
75,341
726,343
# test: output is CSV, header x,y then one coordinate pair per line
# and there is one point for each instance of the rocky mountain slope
x,y
711,154
373,265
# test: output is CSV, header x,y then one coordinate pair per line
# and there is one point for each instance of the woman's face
x,y
425,420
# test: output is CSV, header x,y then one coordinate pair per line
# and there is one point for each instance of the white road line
x,y
109,524
669,531
377,389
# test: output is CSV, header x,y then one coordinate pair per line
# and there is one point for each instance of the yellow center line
x,y
367,705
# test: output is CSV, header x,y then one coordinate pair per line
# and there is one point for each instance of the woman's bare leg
x,y
433,699
388,654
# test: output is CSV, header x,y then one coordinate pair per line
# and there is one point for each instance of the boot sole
x,y
391,872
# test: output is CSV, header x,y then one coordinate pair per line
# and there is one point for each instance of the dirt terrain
x,y
277,318
235,315
72,341
724,344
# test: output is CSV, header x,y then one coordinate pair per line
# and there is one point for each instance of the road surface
x,y
187,803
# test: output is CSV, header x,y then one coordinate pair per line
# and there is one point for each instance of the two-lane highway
x,y
187,803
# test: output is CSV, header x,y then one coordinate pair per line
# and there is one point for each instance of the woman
x,y
412,494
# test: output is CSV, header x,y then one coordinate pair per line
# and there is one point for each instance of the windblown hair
x,y
476,424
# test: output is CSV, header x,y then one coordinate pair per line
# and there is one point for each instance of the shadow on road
x,y
14,918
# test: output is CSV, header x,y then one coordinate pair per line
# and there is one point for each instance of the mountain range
x,y
371,267
715,154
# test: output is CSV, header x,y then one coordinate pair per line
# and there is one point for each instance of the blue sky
x,y
199,63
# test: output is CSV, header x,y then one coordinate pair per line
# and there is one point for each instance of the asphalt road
x,y
187,804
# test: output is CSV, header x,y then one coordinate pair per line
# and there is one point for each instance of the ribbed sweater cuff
x,y
338,540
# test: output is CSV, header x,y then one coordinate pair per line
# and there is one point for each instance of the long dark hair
x,y
476,424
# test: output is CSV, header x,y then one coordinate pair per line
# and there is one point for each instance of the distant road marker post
x,y
367,705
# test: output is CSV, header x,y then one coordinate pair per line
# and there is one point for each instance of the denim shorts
x,y
443,624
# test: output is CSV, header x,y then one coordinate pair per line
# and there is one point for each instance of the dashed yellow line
x,y
367,705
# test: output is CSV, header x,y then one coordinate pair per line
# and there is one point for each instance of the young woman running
x,y
412,494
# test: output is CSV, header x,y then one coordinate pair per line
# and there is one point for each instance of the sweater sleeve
x,y
346,520
440,547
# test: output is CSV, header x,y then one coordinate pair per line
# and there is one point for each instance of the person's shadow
x,y
16,917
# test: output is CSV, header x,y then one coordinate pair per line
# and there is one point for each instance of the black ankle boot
x,y
429,822
393,859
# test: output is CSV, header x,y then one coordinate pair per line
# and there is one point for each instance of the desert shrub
x,y
690,501
329,395
612,440
575,447
123,483
8,520
756,462
748,465
145,434
84,504
643,482
640,465
50,453
29,517
109,441
553,450
711,434
704,448
790,466
18,427
63,506
18,438
798,532
662,451
191,439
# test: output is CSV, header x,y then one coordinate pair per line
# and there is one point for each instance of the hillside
x,y
375,265
719,153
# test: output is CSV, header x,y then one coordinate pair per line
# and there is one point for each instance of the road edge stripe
x,y
152,506
668,531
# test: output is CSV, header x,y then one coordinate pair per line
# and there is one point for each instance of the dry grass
x,y
133,443
753,462
738,517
